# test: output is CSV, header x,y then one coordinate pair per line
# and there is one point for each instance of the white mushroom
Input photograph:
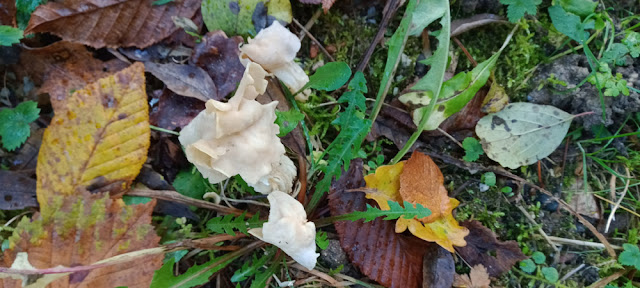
x,y
275,48
289,229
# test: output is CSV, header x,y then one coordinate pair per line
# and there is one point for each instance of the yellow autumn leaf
x,y
419,181
98,138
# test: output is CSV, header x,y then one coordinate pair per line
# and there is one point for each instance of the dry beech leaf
x,y
185,80
98,139
172,110
110,23
83,231
63,67
399,264
419,180
218,55
477,278
483,247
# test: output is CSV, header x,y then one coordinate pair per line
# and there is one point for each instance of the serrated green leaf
x,y
14,124
251,268
262,277
409,211
550,273
10,35
321,240
228,224
615,55
630,256
196,275
517,8
353,129
538,257
570,24
527,266
287,121
632,41
489,179
472,149
190,183
329,77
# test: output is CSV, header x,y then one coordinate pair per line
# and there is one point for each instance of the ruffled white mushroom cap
x,y
237,137
280,178
289,229
275,48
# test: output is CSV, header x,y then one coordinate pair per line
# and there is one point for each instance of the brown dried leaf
x,y
185,80
218,55
110,23
62,67
17,191
8,12
477,278
83,231
393,260
466,118
422,182
483,244
174,111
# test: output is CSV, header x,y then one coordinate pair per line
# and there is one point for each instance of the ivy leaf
x,y
329,77
630,256
14,124
517,8
527,266
287,121
472,149
632,40
10,35
570,24
550,274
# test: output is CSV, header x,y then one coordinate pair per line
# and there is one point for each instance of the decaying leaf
x,y
477,278
583,201
495,100
275,48
98,138
172,110
110,23
400,264
185,80
218,55
8,13
289,229
63,67
484,248
419,180
239,137
523,133
83,231
244,17
17,191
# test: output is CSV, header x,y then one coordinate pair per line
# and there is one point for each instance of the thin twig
x,y
390,9
613,277
315,272
310,24
450,137
574,271
612,203
179,198
466,53
565,241
314,40
615,207
533,221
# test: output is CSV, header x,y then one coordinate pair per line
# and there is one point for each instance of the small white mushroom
x,y
289,229
275,48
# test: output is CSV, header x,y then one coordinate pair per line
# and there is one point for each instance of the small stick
x,y
615,207
612,203
533,221
613,277
314,40
310,24
302,168
574,271
540,175
179,198
390,8
565,241
473,61
450,137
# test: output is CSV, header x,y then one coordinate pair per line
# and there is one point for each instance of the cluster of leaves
x,y
530,266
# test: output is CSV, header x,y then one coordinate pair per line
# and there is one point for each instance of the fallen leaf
x,y
82,231
477,278
218,55
523,133
495,100
63,67
460,26
419,180
397,266
185,80
110,23
98,137
244,17
8,13
172,110
17,191
483,247
583,200
468,117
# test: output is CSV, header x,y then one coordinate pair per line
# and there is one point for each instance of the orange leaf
x,y
477,278
98,138
419,181
83,232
